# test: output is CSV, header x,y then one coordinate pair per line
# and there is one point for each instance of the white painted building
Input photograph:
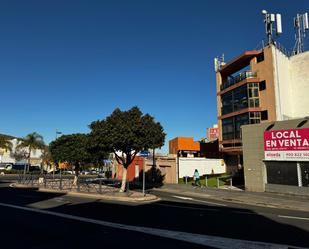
x,y
7,156
291,80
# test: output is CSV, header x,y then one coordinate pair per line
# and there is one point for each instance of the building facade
x,y
259,86
276,156
20,156
185,146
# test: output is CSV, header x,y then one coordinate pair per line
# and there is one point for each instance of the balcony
x,y
231,80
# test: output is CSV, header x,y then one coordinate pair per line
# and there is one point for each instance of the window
x,y
231,126
255,117
227,103
253,93
260,57
262,85
228,128
239,121
264,115
234,100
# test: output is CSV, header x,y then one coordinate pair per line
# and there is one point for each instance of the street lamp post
x,y
57,133
145,154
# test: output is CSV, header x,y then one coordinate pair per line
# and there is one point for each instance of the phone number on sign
x,y
297,154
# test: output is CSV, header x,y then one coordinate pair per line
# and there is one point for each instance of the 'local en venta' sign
x,y
289,145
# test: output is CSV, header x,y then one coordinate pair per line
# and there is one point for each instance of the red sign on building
x,y
289,145
212,133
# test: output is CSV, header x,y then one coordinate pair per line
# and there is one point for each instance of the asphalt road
x,y
31,219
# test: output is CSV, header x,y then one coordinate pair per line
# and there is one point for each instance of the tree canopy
x,y
126,133
32,141
70,148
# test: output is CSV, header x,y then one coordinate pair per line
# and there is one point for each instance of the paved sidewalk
x,y
274,200
131,196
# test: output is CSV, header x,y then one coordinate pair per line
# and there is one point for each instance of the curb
x,y
149,198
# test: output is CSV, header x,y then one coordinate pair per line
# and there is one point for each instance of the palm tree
x,y
31,142
46,157
5,143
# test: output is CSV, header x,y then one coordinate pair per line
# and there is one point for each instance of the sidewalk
x,y
264,199
131,196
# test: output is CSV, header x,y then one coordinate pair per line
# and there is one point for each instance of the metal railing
x,y
66,183
231,80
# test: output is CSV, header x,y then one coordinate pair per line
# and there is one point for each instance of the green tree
x,y
72,149
31,142
126,133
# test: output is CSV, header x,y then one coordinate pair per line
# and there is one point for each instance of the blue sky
x,y
64,64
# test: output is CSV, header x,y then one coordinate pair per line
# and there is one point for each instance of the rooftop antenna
x,y
269,20
301,27
219,62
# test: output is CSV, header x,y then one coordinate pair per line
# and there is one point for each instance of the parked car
x,y
16,167
4,166
34,169
101,174
93,172
67,172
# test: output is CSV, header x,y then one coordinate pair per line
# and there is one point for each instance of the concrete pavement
x,y
131,196
233,195
264,199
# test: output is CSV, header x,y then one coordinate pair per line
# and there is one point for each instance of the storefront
x,y
276,156
286,156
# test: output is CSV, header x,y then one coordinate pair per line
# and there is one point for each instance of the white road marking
x,y
206,240
293,217
182,197
191,199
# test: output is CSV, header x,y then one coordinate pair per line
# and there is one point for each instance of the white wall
x,y
299,67
283,85
291,77
203,165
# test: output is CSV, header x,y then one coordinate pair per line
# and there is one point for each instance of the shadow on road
x,y
186,217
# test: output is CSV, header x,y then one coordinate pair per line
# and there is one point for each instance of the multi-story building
x,y
259,86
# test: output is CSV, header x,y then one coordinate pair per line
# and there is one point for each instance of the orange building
x,y
183,144
134,169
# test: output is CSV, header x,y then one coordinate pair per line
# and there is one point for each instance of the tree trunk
x,y
29,158
75,181
124,180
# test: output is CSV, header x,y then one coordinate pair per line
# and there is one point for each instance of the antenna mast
x,y
269,20
301,27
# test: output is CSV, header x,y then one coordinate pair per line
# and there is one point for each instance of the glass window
x,y
228,128
234,100
227,103
240,120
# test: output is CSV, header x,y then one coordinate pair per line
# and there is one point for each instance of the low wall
x,y
204,166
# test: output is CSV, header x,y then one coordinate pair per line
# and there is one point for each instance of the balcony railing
x,y
231,80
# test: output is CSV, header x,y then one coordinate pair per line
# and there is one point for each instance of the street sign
x,y
144,153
